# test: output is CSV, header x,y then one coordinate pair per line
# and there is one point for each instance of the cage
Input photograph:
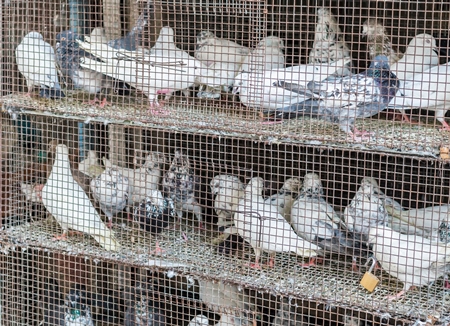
x,y
224,163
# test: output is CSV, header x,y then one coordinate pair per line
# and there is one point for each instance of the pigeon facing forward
x,y
345,99
111,190
285,197
267,55
35,59
90,165
379,41
228,191
414,260
145,178
366,209
68,55
77,312
259,89
329,45
260,224
420,56
69,204
181,185
155,212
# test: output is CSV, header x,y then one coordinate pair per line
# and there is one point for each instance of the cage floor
x,y
329,283
423,139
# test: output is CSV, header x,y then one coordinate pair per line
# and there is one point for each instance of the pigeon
x,y
312,217
181,185
285,197
68,55
428,90
140,313
221,56
412,259
228,191
77,312
366,209
379,42
35,59
344,99
69,204
149,73
111,190
145,178
154,212
420,56
329,45
90,165
260,224
267,55
394,222
199,320
257,90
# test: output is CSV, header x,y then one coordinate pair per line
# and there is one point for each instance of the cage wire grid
x,y
203,275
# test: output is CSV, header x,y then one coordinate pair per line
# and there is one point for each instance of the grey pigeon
x,y
181,185
228,191
68,55
285,197
36,61
344,99
111,190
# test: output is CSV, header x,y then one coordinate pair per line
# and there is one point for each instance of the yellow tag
x,y
369,281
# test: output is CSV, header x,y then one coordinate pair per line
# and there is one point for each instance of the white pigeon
x,y
329,45
312,217
182,185
35,59
111,190
412,259
259,224
69,204
267,55
420,56
258,90
149,73
285,197
366,209
222,77
199,320
378,41
228,191
91,165
429,90
145,177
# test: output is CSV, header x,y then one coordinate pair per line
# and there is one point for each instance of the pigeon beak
x,y
436,51
57,44
235,90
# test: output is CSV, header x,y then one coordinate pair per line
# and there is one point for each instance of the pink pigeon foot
x,y
254,265
63,236
312,262
397,296
271,263
158,250
445,126
38,189
446,284
96,101
359,135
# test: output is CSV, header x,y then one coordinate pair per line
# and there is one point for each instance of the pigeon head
x,y
76,303
67,36
271,42
224,182
312,183
98,35
255,186
33,36
293,185
62,150
422,44
372,28
204,36
166,35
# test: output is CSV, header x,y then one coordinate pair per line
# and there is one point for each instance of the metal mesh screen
x,y
224,163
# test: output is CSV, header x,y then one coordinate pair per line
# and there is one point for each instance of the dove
x,y
154,214
149,73
421,55
260,224
68,55
111,190
344,99
228,191
329,45
199,320
145,177
90,165
429,90
285,197
69,204
35,60
312,217
267,55
257,90
141,313
412,259
366,209
181,185
379,42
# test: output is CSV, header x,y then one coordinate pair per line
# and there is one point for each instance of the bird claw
x,y
60,237
101,104
312,262
158,250
254,265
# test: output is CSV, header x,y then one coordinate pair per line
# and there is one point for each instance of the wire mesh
x,y
224,163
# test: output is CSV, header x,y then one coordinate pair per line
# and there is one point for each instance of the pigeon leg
x,y
400,294
158,251
156,109
445,125
271,263
256,264
446,284
354,265
38,189
63,236
312,262
110,224
359,135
